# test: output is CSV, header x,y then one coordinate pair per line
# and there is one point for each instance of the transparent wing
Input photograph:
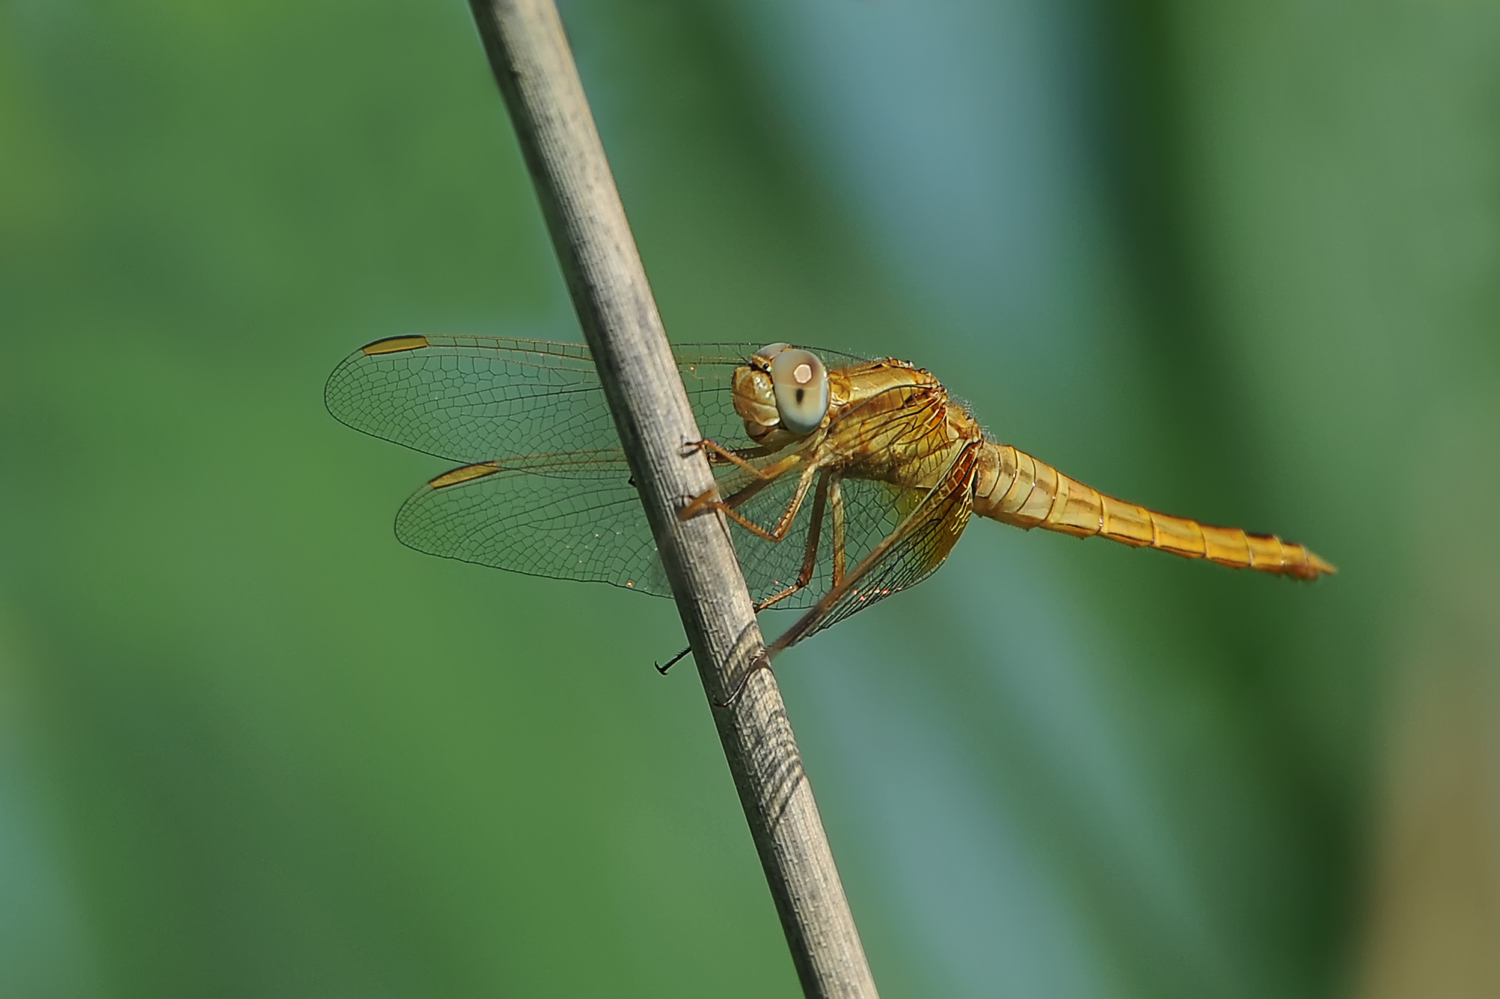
x,y
564,516
475,399
547,491
908,555
578,517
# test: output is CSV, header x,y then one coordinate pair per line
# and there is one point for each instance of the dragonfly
x,y
842,479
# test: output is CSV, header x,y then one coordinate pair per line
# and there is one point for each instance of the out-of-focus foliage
x,y
1240,262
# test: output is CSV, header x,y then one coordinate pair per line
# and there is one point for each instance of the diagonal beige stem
x,y
530,57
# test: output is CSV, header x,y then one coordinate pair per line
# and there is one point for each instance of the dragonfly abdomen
x,y
1014,488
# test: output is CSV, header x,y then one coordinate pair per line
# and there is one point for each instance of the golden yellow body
x,y
890,466
892,422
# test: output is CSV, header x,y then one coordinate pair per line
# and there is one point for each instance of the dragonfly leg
x,y
836,500
673,661
779,532
777,598
732,457
762,662
763,477
943,508
790,513
810,556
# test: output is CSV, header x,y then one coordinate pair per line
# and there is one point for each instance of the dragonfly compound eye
x,y
801,384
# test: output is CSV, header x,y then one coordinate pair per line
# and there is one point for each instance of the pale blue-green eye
x,y
800,382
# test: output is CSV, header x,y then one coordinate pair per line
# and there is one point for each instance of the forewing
x,y
474,398
571,517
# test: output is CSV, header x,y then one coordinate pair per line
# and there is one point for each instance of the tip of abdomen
x,y
1301,564
1319,566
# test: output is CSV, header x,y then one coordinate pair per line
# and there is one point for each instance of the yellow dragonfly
x,y
844,480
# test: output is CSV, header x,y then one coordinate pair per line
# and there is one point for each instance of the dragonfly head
x,y
782,394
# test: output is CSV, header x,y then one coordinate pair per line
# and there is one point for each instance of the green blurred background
x,y
1235,261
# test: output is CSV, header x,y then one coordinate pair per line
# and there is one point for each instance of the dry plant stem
x,y
534,67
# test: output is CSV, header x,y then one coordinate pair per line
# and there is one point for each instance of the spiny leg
x,y
783,525
708,502
763,478
788,515
836,498
709,497
941,505
733,457
673,661
810,556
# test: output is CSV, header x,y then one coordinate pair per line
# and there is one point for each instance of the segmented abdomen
x,y
1014,488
